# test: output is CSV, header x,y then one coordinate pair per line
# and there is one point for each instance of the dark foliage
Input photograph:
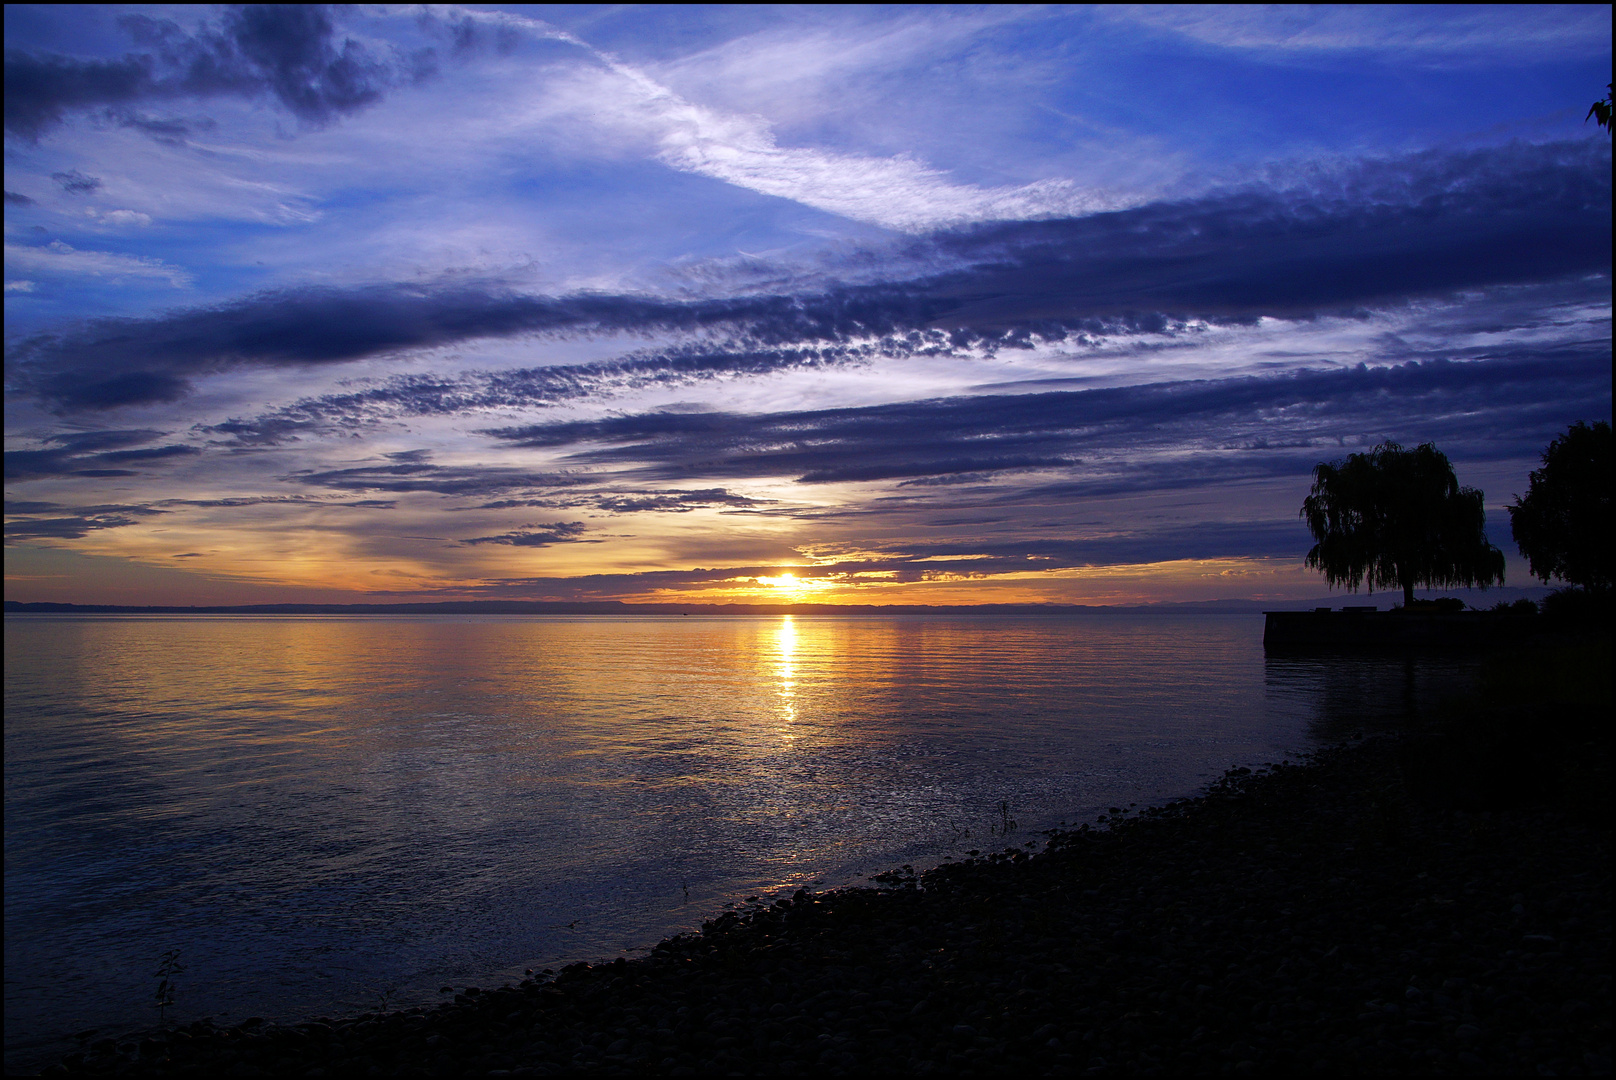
x,y
1580,610
1599,111
1398,518
1563,525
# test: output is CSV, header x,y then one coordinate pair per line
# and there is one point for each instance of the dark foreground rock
x,y
1307,918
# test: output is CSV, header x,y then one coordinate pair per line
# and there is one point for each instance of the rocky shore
x,y
1309,917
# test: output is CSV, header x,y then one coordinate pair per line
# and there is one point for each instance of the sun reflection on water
x,y
786,671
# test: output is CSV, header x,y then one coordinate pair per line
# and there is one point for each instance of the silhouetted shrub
x,y
1440,605
1579,609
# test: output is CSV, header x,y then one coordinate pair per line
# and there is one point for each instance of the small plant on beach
x,y
1007,823
168,967
384,996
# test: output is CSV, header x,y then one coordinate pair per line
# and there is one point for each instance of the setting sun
x,y
793,587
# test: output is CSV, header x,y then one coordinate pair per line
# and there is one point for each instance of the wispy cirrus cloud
x,y
59,259
898,192
1482,32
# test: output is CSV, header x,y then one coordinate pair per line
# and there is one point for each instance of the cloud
x,y
538,535
169,131
1360,233
908,562
19,286
289,53
1209,430
323,502
616,501
1369,233
898,192
474,391
14,198
125,217
89,453
677,502
63,259
443,479
40,519
25,520
76,183
312,326
1445,31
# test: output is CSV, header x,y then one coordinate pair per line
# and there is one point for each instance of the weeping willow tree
x,y
1398,518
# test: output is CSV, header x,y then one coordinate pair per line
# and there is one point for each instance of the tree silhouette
x,y
1599,111
1396,517
1563,525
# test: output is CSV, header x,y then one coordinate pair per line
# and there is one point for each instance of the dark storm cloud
x,y
1478,408
288,52
538,535
1376,234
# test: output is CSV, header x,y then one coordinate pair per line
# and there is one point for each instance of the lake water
x,y
323,814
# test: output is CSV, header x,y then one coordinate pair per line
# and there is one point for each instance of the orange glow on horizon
x,y
144,579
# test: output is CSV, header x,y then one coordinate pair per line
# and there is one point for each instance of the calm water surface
x,y
326,813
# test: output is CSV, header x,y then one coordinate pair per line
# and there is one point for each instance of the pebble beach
x,y
1309,916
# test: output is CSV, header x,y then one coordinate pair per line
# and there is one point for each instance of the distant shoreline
x,y
618,607
504,607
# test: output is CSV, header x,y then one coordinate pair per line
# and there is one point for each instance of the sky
x,y
864,305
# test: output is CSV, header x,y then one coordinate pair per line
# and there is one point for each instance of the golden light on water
x,y
786,671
